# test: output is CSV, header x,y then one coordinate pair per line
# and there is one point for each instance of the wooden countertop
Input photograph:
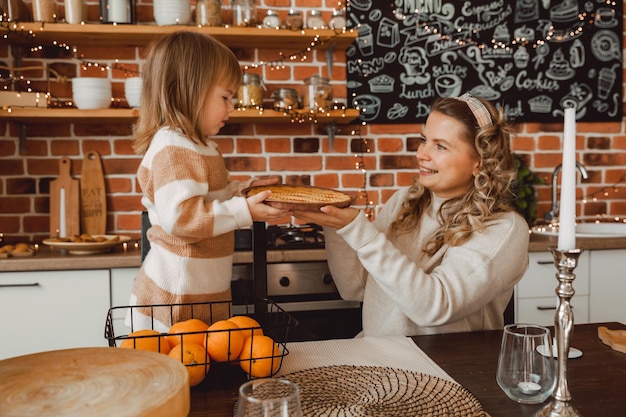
x,y
48,259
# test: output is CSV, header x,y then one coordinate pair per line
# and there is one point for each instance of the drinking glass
x,y
526,374
269,397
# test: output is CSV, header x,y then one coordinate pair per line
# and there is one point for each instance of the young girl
x,y
444,254
188,85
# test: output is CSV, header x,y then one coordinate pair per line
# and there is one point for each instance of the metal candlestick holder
x,y
565,261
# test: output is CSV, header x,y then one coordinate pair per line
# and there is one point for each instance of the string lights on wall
x,y
362,196
606,193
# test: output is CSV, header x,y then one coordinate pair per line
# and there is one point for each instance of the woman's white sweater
x,y
404,292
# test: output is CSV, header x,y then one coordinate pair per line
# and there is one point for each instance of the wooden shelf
x,y
95,34
45,115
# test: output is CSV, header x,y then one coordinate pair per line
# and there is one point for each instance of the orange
x,y
195,359
178,331
224,341
260,356
245,322
146,340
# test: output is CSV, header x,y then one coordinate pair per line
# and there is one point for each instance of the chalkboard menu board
x,y
532,58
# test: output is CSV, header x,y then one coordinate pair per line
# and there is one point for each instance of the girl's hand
x,y
260,211
329,216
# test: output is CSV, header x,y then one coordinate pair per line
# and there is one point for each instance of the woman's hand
x,y
260,211
329,216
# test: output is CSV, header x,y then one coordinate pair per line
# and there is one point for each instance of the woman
x,y
444,254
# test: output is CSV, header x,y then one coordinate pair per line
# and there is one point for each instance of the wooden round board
x,y
300,197
94,382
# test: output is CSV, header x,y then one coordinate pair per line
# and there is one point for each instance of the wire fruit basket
x,y
274,321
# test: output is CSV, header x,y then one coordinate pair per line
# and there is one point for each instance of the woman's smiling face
x,y
447,161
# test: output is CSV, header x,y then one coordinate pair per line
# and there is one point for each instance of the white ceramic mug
x,y
91,92
132,91
172,12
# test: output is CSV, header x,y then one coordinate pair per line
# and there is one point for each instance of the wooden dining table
x,y
596,380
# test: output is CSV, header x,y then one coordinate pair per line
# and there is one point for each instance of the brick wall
x,y
298,152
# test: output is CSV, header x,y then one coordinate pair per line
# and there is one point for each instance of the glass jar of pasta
x,y
318,94
250,93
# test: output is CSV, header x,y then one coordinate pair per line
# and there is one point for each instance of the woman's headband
x,y
478,109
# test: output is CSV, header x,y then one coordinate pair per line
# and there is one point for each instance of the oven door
x,y
307,292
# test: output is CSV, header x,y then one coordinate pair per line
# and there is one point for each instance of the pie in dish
x,y
299,197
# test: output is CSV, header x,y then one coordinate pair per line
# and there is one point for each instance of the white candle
x,y
62,227
529,388
567,209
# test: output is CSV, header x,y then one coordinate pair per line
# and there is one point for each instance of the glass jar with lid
x,y
250,93
271,20
318,94
244,13
337,21
209,12
294,20
315,20
285,99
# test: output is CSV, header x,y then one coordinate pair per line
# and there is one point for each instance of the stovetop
x,y
284,237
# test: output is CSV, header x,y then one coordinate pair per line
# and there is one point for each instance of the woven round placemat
x,y
379,391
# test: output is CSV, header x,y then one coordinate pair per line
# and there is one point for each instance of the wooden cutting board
x,y
616,339
94,382
93,202
64,202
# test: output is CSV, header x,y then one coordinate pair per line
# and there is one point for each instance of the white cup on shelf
x,y
132,91
92,93
172,12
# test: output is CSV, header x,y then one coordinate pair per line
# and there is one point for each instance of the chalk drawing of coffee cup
x,y
448,85
369,106
606,80
365,41
605,46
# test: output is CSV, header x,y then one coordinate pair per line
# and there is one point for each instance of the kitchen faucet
x,y
554,211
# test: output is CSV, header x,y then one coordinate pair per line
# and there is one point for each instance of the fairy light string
x,y
605,192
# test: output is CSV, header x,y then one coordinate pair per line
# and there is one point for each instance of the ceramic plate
x,y
88,248
573,352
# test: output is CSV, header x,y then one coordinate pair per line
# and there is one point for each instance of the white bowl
x,y
132,91
91,93
172,12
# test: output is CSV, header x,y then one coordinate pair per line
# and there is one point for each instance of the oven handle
x,y
320,305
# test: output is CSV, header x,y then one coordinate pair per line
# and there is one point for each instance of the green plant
x,y
525,197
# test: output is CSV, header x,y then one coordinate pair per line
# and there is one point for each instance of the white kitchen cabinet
x,y
122,280
535,296
49,310
608,286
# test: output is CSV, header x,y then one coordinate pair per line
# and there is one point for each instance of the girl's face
x,y
217,106
447,161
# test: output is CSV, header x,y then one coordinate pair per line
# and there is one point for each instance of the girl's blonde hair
x,y
491,194
181,69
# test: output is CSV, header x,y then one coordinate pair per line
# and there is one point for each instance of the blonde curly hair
x,y
491,194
